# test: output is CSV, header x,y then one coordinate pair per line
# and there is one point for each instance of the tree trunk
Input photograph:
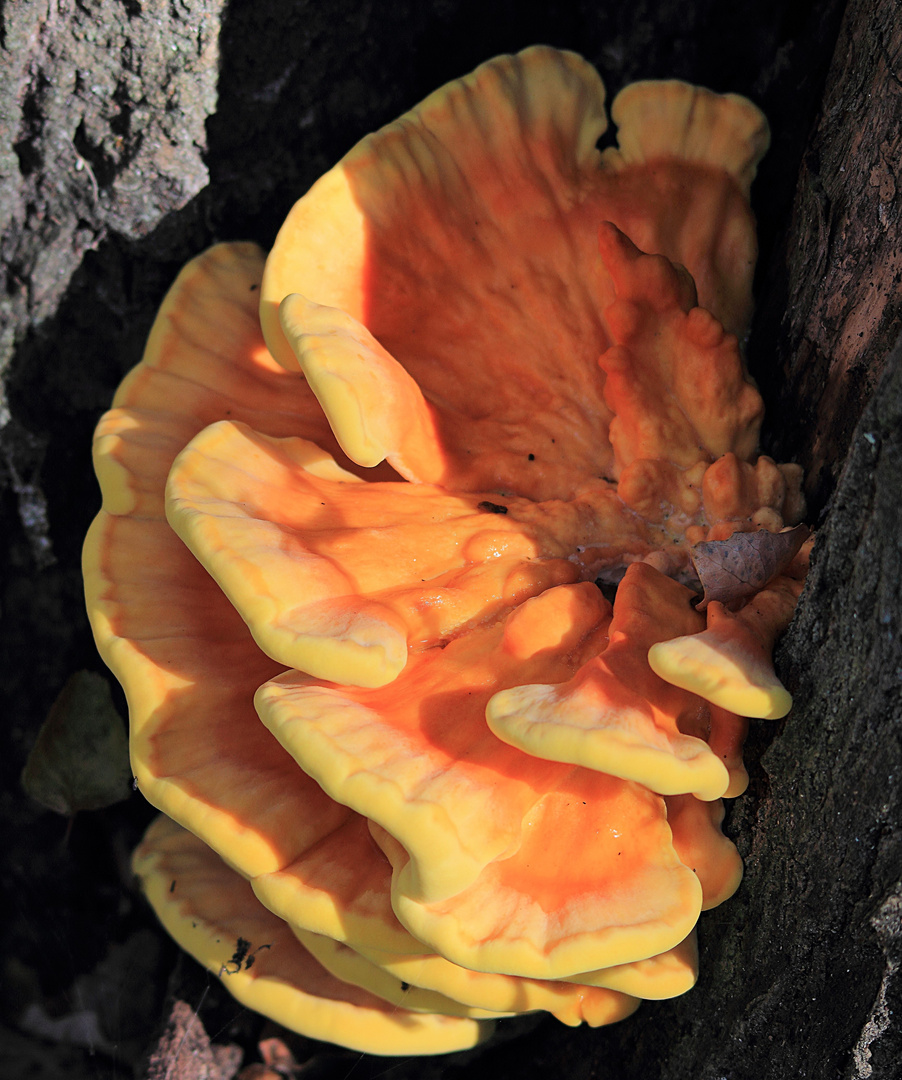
x,y
135,133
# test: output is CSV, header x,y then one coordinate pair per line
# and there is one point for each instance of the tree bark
x,y
136,132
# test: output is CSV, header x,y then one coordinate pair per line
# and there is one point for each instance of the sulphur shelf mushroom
x,y
416,770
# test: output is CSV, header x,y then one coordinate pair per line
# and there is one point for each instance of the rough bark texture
x,y
133,134
835,292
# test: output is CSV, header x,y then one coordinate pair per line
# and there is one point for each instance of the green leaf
x,y
80,758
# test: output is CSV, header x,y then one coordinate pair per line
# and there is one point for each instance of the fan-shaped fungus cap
x,y
482,396
730,662
566,1001
616,715
187,663
335,576
213,914
499,172
572,1001
353,889
701,845
479,821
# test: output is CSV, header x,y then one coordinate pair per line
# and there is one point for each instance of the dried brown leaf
x,y
744,563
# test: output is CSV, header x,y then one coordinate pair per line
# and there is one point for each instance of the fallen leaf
x,y
744,563
80,758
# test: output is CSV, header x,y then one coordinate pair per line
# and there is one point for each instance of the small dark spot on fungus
x,y
531,457
254,287
492,508
405,986
172,886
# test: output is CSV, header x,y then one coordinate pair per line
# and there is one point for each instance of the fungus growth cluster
x,y
353,567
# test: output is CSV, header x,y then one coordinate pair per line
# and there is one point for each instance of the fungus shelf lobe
x,y
210,910
468,814
350,881
616,715
569,1002
184,656
468,230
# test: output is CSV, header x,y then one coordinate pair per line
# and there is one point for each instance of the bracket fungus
x,y
416,771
